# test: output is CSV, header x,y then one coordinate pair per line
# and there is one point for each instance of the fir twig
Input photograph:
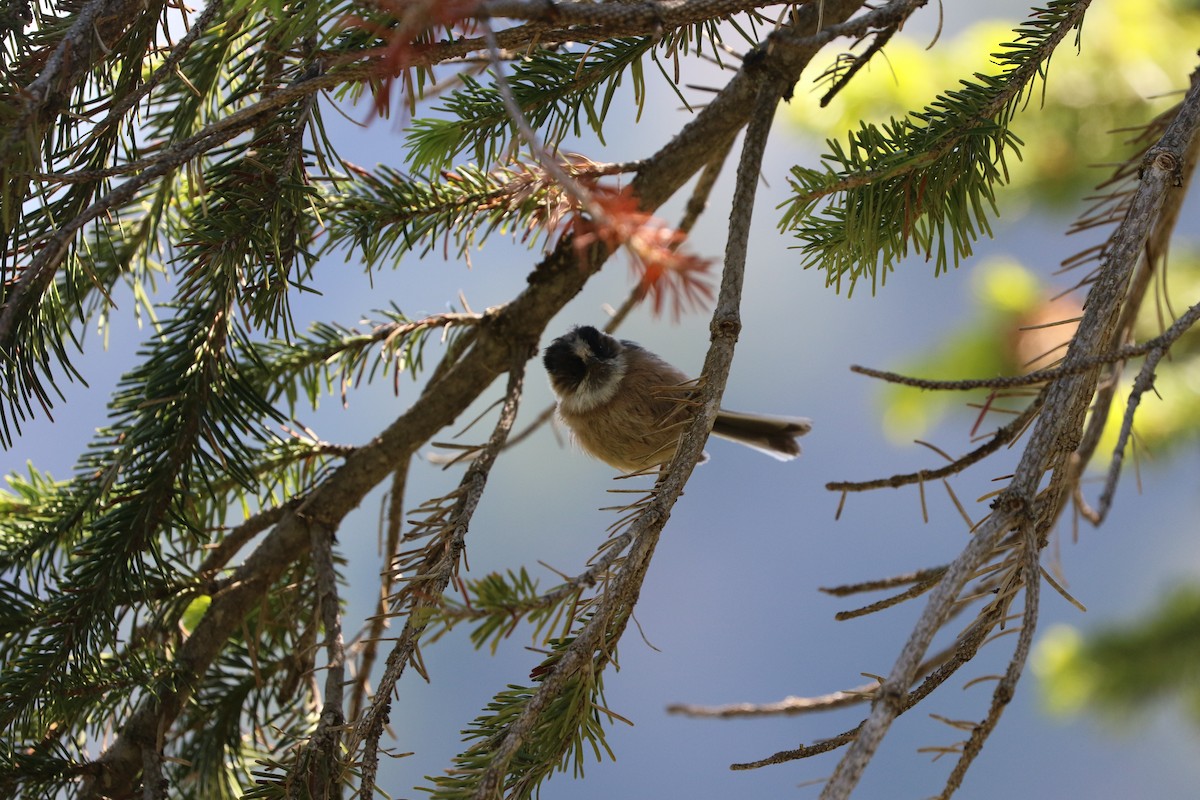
x,y
440,564
1001,437
918,182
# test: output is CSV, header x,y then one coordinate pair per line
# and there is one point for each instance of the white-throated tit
x,y
626,406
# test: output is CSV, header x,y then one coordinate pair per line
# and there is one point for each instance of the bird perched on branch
x,y
627,407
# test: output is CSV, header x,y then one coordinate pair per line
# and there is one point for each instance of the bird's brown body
x,y
626,406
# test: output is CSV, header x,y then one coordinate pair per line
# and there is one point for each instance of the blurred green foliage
x,y
1133,61
990,342
1123,670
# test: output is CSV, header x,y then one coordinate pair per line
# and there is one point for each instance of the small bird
x,y
626,406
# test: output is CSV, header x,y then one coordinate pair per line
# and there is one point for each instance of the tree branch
x,y
1143,383
1030,577
1054,438
427,585
1001,437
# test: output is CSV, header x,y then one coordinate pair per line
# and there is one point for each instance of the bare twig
x,y
389,550
804,705
1001,437
784,707
920,576
965,649
1143,383
1029,576
916,590
441,563
881,38
1038,376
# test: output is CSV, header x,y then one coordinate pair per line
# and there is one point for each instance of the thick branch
x,y
98,24
616,18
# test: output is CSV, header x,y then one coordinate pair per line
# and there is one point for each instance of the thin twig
x,y
1038,376
389,550
1030,577
881,38
1001,437
785,707
441,566
965,649
1143,383
916,590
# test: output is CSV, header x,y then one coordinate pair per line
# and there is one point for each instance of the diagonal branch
x,y
1143,383
1030,576
67,65
1001,437
426,587
1053,440
613,610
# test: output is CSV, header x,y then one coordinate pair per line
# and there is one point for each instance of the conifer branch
x,y
65,67
430,572
188,442
1123,353
1154,258
454,385
367,646
617,18
1030,578
909,183
1143,383
1052,441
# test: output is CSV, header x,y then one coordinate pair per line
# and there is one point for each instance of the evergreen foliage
x,y
927,181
